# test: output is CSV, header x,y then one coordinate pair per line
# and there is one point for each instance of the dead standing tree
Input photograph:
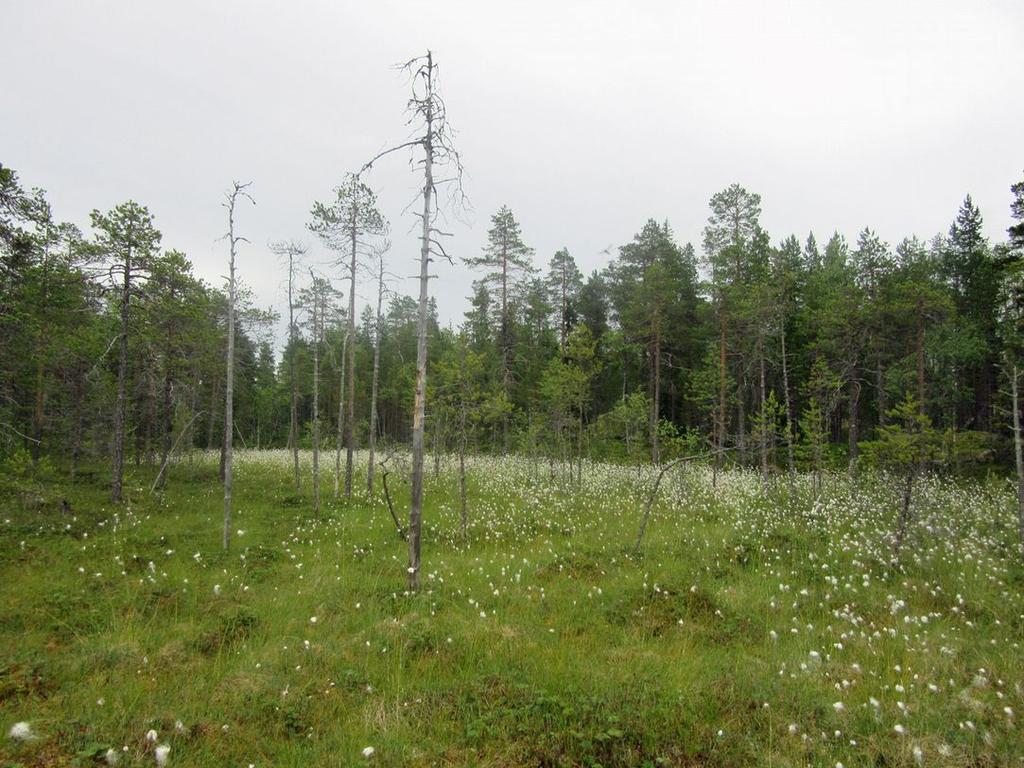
x,y
340,438
375,382
428,117
319,298
292,252
232,196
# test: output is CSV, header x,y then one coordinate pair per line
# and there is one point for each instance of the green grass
x,y
537,641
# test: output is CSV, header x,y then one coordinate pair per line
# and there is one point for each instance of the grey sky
x,y
586,118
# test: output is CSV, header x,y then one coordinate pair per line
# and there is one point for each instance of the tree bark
x,y
120,408
350,421
340,439
853,408
1018,452
317,319
292,382
656,398
375,381
419,407
791,464
720,421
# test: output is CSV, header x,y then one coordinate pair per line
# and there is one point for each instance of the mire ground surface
x,y
758,626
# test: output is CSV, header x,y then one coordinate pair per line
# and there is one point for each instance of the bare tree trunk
x,y
419,408
165,443
904,519
292,382
721,429
920,356
317,319
462,471
120,408
229,389
741,414
340,439
161,475
1017,450
350,421
426,104
791,464
883,404
853,409
763,437
76,436
37,411
374,383
656,398
212,421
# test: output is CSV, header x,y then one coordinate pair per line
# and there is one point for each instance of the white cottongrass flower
x,y
151,736
899,729
312,619
839,707
161,753
368,752
21,732
216,589
918,754
111,757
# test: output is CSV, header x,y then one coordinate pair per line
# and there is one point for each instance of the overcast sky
x,y
586,118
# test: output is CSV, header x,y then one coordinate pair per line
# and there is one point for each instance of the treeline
x,y
775,353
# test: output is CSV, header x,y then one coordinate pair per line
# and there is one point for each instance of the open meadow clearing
x,y
756,626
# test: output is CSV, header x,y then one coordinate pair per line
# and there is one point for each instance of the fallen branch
x,y
174,447
657,483
387,497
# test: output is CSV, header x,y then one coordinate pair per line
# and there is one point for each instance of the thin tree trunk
x,y
165,447
883,404
316,399
292,382
419,408
37,413
791,464
904,520
853,408
212,421
120,408
656,399
763,437
741,415
350,421
375,380
340,439
229,389
462,472
1017,450
720,447
920,357
161,476
76,433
